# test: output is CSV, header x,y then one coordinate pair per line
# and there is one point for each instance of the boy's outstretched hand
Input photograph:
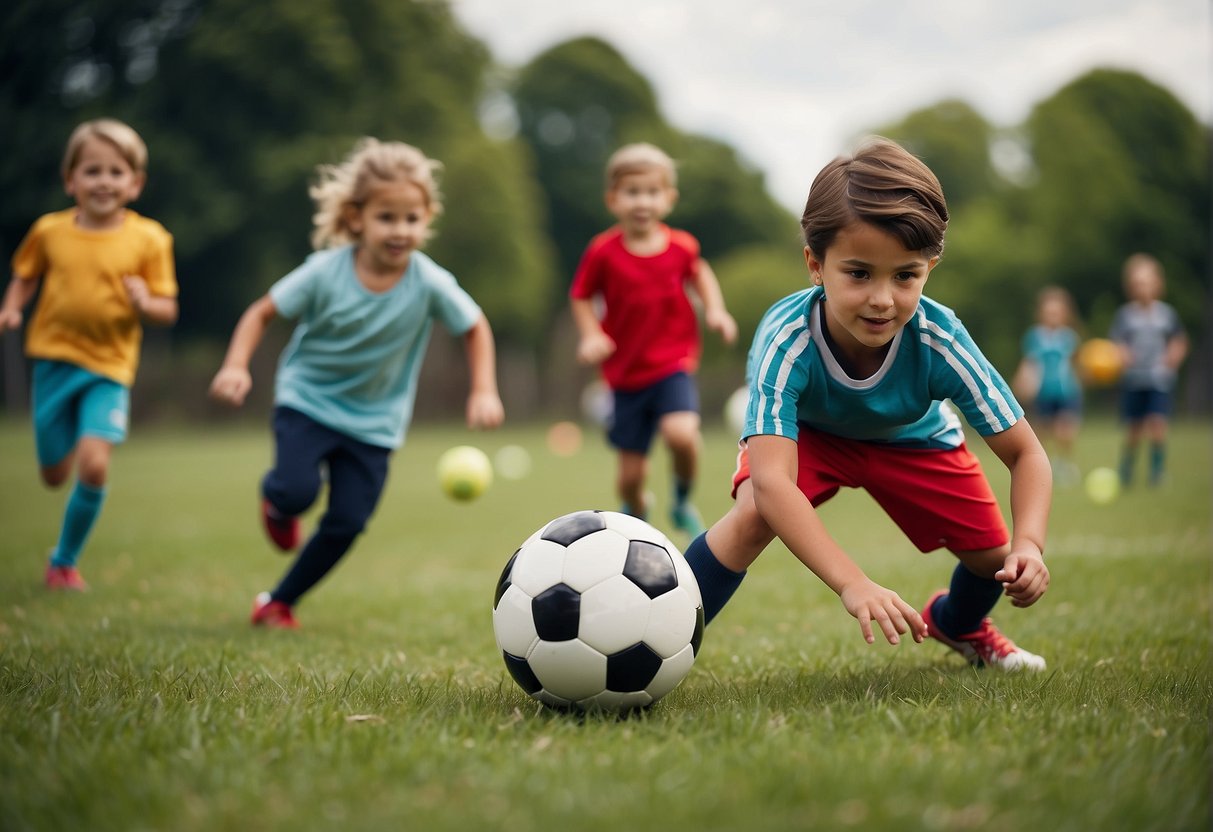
x,y
871,603
10,319
1024,577
595,348
485,410
722,323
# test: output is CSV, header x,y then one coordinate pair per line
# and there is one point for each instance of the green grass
x,y
149,703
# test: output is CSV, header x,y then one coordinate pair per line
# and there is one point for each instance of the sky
x,y
793,83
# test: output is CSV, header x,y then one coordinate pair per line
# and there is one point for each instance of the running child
x,y
848,382
104,271
647,339
364,305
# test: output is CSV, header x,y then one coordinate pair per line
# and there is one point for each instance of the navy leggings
x,y
356,475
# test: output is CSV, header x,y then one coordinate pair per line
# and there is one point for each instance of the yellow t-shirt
x,y
84,315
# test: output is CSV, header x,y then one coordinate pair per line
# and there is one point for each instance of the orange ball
x,y
1100,361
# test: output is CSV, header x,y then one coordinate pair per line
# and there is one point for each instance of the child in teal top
x,y
346,382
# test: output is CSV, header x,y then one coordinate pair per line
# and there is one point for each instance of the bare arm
x,y
155,309
1177,351
593,346
16,297
233,381
715,315
484,408
785,508
1024,574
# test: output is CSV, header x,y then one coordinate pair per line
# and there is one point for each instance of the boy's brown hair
x,y
122,136
882,184
638,158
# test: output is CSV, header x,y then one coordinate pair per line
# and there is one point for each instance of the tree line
x,y
240,101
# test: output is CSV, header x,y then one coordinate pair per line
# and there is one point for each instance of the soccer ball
x,y
464,472
598,611
1099,359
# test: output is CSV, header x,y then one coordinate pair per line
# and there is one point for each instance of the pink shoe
x,y
272,614
984,646
64,577
283,531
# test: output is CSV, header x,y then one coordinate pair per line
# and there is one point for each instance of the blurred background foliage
x,y
240,101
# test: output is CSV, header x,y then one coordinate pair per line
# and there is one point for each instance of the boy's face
x,y
641,200
391,224
102,182
1143,284
872,286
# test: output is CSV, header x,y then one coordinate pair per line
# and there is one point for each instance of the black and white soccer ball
x,y
598,610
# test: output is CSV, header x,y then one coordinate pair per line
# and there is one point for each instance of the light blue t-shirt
x,y
794,379
1052,350
353,360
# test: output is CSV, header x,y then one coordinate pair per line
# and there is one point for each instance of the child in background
x,y
1154,344
648,338
1047,379
365,304
848,382
103,270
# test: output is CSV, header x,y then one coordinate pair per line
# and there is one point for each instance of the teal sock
x,y
1127,455
1158,462
83,506
682,490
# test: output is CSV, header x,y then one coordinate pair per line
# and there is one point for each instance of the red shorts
x,y
939,498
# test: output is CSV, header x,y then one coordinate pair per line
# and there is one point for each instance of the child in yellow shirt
x,y
103,270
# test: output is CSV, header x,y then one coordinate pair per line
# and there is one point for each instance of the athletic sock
x,y
969,600
1158,462
1127,454
682,490
717,582
319,556
83,507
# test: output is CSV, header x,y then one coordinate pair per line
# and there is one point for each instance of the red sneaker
x,y
984,646
272,614
283,531
64,577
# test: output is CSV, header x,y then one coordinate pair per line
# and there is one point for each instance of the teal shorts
x,y
71,402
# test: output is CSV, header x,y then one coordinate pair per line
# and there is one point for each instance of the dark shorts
x,y
638,412
938,498
1136,405
1053,406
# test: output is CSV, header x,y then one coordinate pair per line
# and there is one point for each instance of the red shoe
x,y
64,577
984,646
272,614
283,531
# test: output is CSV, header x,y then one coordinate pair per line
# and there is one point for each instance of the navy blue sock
x,y
717,582
319,556
968,601
682,490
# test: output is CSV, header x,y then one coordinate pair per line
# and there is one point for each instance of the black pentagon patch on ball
x,y
503,583
650,567
565,530
522,673
632,669
697,636
557,612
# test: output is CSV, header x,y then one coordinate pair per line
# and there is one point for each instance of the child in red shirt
x,y
647,339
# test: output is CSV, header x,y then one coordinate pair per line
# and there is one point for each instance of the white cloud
x,y
790,83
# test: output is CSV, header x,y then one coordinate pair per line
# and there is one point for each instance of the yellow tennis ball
x,y
1102,485
464,472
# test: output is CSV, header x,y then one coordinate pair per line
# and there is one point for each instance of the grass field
x,y
149,703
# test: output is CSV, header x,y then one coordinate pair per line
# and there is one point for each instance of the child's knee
x,y
290,498
54,476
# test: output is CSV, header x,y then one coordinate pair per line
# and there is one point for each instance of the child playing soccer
x,y
848,382
1054,390
365,304
1154,344
103,270
648,338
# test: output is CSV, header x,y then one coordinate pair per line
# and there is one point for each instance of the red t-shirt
x,y
648,313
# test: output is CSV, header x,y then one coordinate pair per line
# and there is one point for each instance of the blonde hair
x,y
350,183
1143,261
639,158
122,136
